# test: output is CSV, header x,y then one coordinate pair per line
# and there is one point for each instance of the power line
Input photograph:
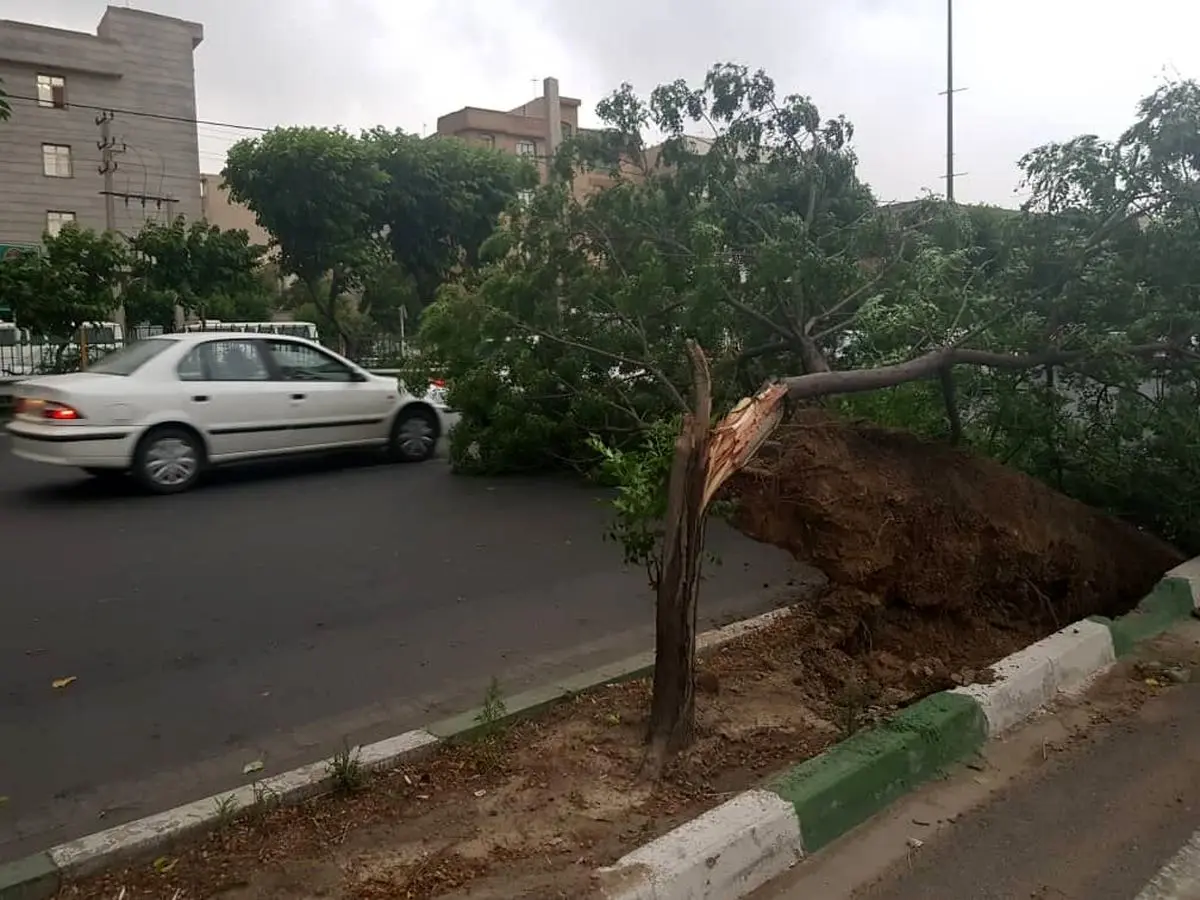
x,y
148,115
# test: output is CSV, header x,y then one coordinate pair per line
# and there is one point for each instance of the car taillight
x,y
47,409
438,382
60,412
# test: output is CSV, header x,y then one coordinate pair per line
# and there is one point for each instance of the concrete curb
x,y
731,850
39,877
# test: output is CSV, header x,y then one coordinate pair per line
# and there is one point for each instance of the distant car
x,y
165,408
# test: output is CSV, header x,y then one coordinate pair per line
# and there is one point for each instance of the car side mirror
x,y
358,377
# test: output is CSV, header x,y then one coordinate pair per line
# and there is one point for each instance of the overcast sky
x,y
1035,70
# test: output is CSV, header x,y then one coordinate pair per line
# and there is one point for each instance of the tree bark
x,y
950,399
704,459
857,381
673,701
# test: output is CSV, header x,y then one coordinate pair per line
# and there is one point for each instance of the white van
x,y
306,330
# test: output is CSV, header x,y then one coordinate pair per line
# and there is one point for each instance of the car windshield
x,y
130,358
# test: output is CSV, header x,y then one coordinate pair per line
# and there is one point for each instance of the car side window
x,y
191,367
234,360
300,362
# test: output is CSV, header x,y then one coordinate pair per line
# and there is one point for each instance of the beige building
x,y
219,210
534,130
61,162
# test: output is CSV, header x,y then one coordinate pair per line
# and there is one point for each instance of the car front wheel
x,y
168,460
414,436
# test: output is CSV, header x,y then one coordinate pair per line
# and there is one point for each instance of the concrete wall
x,y
137,62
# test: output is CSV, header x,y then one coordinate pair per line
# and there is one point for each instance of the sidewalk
x,y
1088,803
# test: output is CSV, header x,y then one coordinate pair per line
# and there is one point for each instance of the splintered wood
x,y
738,436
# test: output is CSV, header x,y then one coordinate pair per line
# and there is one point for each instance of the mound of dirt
x,y
905,524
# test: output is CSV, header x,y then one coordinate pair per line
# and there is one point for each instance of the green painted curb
x,y
1170,602
32,878
857,778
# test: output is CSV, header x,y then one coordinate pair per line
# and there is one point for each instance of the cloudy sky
x,y
1035,70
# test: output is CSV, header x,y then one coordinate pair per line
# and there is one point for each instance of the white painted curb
x,y
726,853
97,851
1066,662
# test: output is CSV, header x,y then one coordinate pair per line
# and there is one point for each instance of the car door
x,y
330,403
229,392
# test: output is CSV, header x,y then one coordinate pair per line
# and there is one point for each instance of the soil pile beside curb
x,y
913,525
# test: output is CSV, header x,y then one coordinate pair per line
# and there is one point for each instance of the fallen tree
x,y
1062,338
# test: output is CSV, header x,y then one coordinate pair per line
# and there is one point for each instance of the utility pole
x,y
109,148
108,168
950,91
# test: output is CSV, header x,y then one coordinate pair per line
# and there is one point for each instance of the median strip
x,y
591,828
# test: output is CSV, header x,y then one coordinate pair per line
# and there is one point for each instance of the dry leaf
x,y
63,682
256,766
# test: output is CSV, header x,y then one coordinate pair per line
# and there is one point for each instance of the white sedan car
x,y
165,408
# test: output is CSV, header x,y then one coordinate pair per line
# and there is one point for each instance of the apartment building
x,y
53,150
218,209
534,130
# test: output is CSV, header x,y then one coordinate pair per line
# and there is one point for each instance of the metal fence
x,y
22,355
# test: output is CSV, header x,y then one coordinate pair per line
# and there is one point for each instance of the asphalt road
x,y
275,613
1086,804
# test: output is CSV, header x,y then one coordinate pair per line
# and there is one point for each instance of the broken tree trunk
x,y
704,459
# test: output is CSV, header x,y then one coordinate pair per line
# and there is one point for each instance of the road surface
x,y
1087,805
276,613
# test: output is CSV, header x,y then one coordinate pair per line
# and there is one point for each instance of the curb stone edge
x,y
730,851
40,875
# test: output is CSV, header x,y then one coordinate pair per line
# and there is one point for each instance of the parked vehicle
x,y
166,408
292,329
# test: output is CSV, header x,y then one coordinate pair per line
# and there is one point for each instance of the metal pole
x,y
104,120
950,101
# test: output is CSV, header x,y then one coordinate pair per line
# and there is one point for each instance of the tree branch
x,y
857,381
676,397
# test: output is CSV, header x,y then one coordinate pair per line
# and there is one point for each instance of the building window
x,y
52,91
488,140
566,131
526,148
56,160
56,219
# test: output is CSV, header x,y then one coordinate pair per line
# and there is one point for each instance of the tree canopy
x,y
203,270
83,276
349,212
1060,337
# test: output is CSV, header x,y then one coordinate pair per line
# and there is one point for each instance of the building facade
x,y
136,71
534,130
218,209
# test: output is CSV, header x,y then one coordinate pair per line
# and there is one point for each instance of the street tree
x,y
316,191
197,267
443,198
74,282
369,222
761,245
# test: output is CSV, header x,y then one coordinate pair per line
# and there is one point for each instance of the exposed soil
x,y
918,525
940,564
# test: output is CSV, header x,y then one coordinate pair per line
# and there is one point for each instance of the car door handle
x,y
299,396
200,398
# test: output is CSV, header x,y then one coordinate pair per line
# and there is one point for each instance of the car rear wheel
x,y
414,436
168,460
